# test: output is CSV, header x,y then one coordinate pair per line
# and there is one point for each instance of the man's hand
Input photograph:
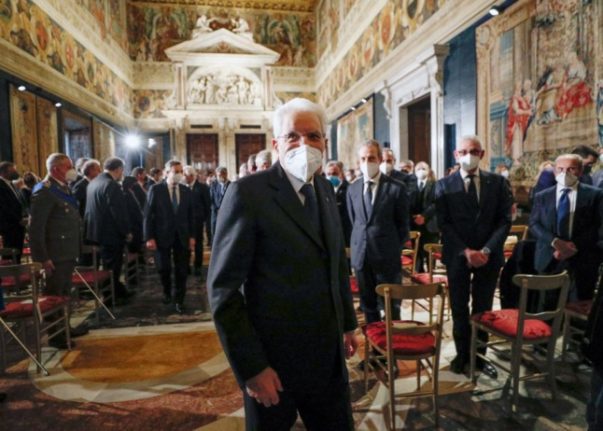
x,y
419,220
48,267
191,244
475,258
265,387
350,344
564,249
152,245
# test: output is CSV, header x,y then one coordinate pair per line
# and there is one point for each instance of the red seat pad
x,y
354,285
437,255
505,322
402,344
25,308
89,277
10,280
406,260
26,251
508,253
423,278
580,307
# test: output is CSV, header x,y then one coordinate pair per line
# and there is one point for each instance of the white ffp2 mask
x,y
302,162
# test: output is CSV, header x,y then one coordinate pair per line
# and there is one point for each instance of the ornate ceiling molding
x,y
283,5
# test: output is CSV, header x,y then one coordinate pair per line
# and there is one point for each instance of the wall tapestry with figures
x,y
540,82
152,29
353,129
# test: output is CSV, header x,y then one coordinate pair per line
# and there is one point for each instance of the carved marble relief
x,y
224,88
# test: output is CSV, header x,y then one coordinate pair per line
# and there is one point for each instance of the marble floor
x,y
151,368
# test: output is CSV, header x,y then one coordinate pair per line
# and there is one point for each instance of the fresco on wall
x,y
353,129
27,27
150,103
392,25
538,96
153,29
110,18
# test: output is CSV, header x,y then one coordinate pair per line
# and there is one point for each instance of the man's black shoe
x,y
166,300
487,368
79,331
458,365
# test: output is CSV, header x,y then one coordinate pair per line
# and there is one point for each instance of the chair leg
x,y
473,353
67,327
38,340
418,375
566,336
392,392
2,352
366,363
412,309
435,372
550,362
516,350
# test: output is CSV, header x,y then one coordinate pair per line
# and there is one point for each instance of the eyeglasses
x,y
293,137
472,152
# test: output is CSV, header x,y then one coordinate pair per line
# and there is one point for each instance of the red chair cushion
x,y
505,322
580,307
10,280
26,251
90,276
21,309
354,285
423,278
402,344
406,260
508,253
437,255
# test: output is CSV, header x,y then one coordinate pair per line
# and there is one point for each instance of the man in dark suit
x,y
90,170
107,222
566,221
407,178
287,332
378,207
334,172
138,188
589,157
13,212
201,211
79,164
473,208
217,189
155,177
423,212
168,228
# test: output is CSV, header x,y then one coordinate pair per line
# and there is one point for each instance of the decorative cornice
x,y
278,5
293,79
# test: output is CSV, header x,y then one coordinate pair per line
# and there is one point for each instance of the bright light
x,y
152,142
364,100
58,104
494,11
132,141
21,88
353,108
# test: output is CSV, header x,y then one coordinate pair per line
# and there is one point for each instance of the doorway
x,y
419,130
247,144
202,151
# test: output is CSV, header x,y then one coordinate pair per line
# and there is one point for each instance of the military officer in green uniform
x,y
55,231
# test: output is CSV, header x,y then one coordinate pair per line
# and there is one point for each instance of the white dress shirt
x,y
297,184
466,180
375,186
572,195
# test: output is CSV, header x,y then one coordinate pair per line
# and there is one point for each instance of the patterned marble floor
x,y
153,369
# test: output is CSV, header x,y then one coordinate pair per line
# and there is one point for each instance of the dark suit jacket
x,y
79,189
587,229
217,194
424,204
342,205
380,238
295,303
464,226
135,216
160,221
11,215
106,216
201,206
141,194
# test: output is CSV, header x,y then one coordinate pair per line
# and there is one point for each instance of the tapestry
x,y
352,130
538,94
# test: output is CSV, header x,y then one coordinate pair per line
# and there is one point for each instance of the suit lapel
x,y
326,216
287,199
381,190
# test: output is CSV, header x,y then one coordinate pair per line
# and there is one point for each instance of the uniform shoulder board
x,y
41,185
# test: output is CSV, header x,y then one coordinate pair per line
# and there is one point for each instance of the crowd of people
x,y
278,281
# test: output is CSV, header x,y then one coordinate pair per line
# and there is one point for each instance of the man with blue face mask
x,y
289,329
473,209
334,173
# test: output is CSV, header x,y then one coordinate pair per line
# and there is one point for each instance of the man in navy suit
x,y
473,209
216,191
13,215
201,212
90,170
566,221
289,329
379,210
168,228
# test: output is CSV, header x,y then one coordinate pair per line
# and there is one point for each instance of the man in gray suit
x,y
55,230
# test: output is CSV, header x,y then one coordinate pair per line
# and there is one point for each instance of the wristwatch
x,y
486,251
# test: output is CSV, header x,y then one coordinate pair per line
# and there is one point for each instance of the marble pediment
x,y
224,47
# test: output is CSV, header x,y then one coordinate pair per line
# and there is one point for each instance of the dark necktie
x,y
472,191
368,199
563,215
311,205
174,198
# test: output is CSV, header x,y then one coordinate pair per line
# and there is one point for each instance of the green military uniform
x,y
55,232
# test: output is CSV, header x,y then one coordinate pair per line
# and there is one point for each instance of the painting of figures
x,y
537,88
353,129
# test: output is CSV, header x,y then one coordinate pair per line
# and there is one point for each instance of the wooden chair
x,y
518,232
405,340
408,257
48,314
131,270
433,275
518,328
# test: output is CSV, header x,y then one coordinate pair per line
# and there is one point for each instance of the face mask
x,y
348,178
566,179
174,178
369,170
71,175
334,180
386,168
469,162
302,162
505,174
601,157
421,174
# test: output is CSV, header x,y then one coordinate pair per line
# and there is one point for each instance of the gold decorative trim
x,y
282,5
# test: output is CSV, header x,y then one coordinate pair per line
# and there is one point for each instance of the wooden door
x,y
419,131
202,150
248,144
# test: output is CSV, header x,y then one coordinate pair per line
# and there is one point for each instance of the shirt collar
x,y
464,173
374,180
573,188
296,182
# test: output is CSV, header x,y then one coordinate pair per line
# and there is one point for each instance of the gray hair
x,y
55,159
113,164
337,163
473,138
371,143
264,156
79,163
294,106
221,169
568,156
189,170
89,165
170,163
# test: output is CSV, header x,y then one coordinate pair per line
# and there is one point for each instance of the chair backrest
x,y
9,254
414,236
542,283
93,250
25,274
431,249
520,231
